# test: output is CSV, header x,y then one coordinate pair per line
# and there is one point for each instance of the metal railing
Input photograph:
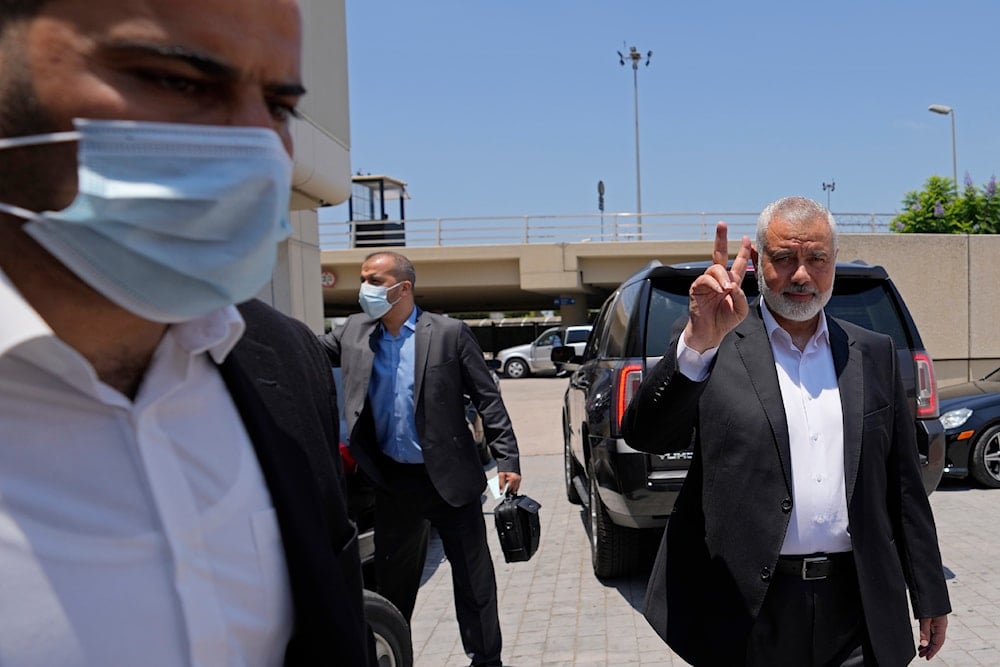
x,y
587,228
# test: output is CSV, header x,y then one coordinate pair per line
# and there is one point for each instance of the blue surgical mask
x,y
171,221
374,299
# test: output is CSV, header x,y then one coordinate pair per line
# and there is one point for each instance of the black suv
x,y
627,491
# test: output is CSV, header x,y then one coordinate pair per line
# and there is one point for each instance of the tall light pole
x,y
600,205
635,57
828,188
946,110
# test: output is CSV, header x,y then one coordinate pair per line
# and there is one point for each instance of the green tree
x,y
938,209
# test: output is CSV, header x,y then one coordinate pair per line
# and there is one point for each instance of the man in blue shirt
x,y
406,373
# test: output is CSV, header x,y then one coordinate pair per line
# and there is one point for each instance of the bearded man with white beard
x,y
802,522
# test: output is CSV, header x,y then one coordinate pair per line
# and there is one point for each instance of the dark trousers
x,y
816,623
403,513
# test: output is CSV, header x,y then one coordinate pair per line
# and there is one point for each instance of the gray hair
x,y
795,210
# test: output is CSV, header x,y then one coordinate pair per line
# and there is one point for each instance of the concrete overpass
x,y
948,282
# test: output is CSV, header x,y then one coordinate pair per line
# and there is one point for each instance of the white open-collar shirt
x,y
813,412
132,532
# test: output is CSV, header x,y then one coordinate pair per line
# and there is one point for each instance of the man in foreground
x,y
803,519
406,373
169,489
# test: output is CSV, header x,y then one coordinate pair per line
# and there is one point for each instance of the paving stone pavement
x,y
554,611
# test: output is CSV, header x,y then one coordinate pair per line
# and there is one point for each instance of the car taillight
x,y
350,465
927,400
629,379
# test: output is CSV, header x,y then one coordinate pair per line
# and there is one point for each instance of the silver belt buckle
x,y
805,568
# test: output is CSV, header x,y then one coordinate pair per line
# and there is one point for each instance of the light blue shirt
x,y
391,393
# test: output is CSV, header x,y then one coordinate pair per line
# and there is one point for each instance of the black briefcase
x,y
518,527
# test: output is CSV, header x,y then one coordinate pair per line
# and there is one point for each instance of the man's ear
x,y
754,257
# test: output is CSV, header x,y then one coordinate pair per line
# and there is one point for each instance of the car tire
x,y
393,643
571,468
516,368
614,550
984,462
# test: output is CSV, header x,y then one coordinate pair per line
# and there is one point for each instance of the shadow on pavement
x,y
953,484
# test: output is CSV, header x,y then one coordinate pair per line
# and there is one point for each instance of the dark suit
x,y
280,382
446,489
723,540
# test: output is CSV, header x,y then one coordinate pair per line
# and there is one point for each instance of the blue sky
x,y
519,108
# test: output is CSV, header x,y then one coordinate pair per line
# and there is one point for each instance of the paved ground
x,y
554,611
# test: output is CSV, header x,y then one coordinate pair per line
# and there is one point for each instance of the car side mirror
x,y
493,364
565,354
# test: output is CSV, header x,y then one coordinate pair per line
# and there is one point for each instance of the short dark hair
x,y
402,266
20,7
13,10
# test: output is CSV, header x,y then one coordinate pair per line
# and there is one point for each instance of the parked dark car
x,y
628,492
970,414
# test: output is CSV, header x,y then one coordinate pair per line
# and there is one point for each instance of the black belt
x,y
815,566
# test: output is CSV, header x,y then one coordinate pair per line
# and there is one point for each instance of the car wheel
x,y
985,460
571,468
614,550
516,368
393,643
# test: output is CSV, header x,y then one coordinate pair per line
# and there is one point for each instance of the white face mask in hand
x,y
171,221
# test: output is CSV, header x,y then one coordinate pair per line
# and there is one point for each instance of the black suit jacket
x,y
448,366
280,382
722,542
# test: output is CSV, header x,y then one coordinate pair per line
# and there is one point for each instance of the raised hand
x,y
717,303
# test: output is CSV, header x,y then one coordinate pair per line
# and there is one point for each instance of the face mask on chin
x,y
374,299
171,221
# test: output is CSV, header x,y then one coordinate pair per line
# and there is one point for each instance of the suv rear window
x,y
868,305
862,301
577,336
666,310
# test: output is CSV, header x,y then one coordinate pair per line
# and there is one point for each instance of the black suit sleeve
x,y
664,412
331,345
482,390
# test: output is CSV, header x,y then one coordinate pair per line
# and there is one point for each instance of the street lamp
x,y
946,110
828,188
635,57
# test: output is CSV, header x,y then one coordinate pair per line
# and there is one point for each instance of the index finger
x,y
720,255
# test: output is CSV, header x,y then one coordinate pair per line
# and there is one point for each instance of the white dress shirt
x,y
132,532
811,398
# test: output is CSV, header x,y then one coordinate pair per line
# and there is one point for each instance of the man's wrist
x,y
693,363
696,343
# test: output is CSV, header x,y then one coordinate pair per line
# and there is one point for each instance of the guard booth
x,y
371,223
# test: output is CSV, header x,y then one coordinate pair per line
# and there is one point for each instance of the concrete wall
x,y
322,135
295,288
322,172
948,283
